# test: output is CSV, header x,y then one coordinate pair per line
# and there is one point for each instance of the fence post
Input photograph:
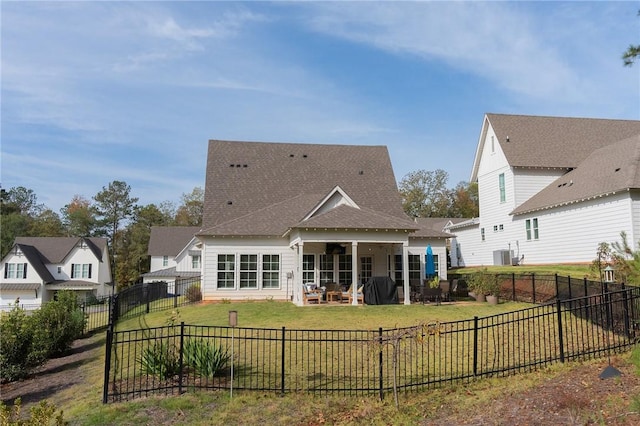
x,y
513,286
145,295
557,286
475,345
181,364
560,335
533,287
107,364
282,365
380,366
627,323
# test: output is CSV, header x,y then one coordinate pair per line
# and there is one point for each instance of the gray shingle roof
x,y
433,226
170,240
53,250
557,142
605,171
278,180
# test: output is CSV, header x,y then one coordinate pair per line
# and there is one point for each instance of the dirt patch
x,y
573,397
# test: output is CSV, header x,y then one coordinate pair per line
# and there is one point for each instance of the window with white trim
x,y
345,274
482,234
80,270
503,192
326,269
15,270
531,226
397,269
226,271
366,268
436,265
414,267
270,271
195,261
248,271
308,268
165,260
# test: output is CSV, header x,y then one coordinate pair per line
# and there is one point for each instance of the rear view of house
x,y
37,267
280,215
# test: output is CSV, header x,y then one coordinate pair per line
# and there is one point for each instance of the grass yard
x,y
271,314
568,393
575,271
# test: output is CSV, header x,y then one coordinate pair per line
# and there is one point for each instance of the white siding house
x,y
37,267
280,215
174,253
550,190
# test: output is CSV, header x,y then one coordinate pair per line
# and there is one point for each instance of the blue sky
x,y
99,91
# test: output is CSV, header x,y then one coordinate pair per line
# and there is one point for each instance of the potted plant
x,y
478,284
492,288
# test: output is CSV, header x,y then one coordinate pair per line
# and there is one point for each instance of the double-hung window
x,y
414,267
226,270
531,226
397,269
308,268
195,261
248,271
345,275
165,260
270,271
365,268
326,269
15,270
80,270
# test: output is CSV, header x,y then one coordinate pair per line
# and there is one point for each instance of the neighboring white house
x,y
175,253
277,215
37,267
550,189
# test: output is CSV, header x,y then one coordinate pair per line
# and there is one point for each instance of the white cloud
x,y
506,43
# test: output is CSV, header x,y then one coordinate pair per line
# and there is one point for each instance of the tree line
x,y
114,213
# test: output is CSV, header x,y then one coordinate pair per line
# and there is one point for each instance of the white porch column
x,y
405,273
354,273
297,279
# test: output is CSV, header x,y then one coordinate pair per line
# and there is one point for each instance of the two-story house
x,y
551,189
175,253
37,267
277,215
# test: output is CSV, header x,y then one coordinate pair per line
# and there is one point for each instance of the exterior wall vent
x,y
229,203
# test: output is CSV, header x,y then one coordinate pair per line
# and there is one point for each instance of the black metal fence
x,y
139,299
371,361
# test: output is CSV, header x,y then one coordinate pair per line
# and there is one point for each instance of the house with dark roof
x,y
550,189
174,253
37,267
280,215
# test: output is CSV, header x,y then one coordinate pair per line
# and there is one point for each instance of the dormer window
x,y
165,260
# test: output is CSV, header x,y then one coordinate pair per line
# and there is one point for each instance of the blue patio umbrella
x,y
430,266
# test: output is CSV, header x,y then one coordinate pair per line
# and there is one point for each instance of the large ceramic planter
x,y
492,300
480,297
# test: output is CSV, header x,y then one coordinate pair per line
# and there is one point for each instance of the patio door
x,y
366,267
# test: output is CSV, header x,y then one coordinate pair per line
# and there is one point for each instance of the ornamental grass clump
x,y
160,360
205,357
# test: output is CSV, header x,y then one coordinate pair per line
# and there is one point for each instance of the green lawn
x,y
575,271
271,314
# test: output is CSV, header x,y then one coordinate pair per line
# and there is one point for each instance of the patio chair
x,y
311,294
359,295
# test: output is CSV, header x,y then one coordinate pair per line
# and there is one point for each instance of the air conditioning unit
x,y
502,257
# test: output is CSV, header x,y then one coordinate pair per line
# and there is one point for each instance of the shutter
x,y
24,272
6,270
90,270
73,267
